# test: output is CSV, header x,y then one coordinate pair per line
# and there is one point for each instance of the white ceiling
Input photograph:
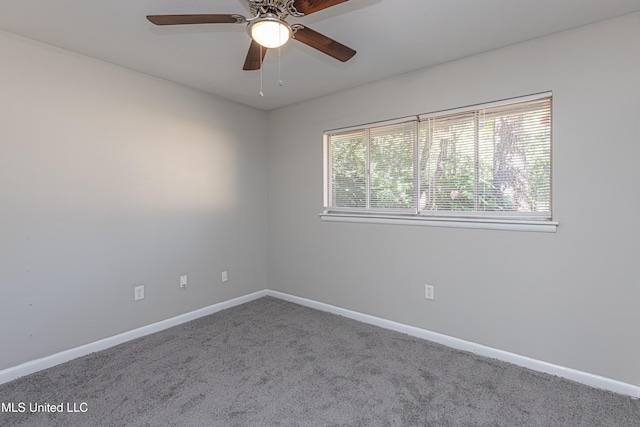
x,y
392,37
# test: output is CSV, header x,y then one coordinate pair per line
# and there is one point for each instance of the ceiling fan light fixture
x,y
269,31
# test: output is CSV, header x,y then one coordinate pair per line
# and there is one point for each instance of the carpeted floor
x,y
274,363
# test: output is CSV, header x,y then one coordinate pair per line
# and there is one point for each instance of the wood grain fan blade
x,y
324,44
195,19
309,6
254,59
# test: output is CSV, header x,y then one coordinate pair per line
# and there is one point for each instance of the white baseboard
x,y
30,367
592,380
505,356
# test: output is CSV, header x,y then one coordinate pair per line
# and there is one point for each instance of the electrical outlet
x,y
225,276
429,291
183,281
138,293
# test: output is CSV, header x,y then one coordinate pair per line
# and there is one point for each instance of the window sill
x,y
478,223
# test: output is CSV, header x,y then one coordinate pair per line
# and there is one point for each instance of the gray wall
x,y
569,298
109,179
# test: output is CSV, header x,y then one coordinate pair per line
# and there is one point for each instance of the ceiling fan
x,y
269,29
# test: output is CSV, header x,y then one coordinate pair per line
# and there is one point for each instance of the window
x,y
488,163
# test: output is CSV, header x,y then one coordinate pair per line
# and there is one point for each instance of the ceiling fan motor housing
x,y
280,8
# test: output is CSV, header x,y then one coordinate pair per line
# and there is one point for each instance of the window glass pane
x,y
392,166
348,186
515,158
447,173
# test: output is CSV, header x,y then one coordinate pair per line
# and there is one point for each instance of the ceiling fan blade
x,y
309,6
323,43
195,19
254,59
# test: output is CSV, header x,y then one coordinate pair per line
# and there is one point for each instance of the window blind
x,y
487,161
392,177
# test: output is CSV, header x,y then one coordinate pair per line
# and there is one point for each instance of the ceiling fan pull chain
x,y
280,83
261,93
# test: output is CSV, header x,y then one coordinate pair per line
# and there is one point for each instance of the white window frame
x,y
515,221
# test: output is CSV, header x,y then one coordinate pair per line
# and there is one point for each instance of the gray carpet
x,y
273,363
